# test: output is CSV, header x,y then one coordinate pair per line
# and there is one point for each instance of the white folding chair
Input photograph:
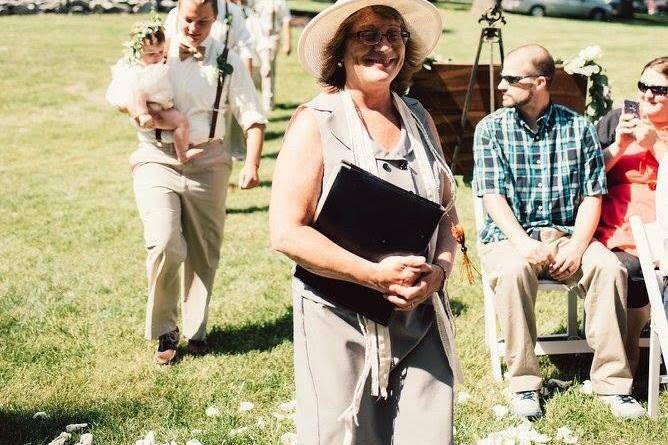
x,y
658,340
568,343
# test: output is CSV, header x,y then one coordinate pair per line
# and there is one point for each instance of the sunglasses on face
x,y
373,37
655,89
514,79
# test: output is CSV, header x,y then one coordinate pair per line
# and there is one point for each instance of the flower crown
x,y
141,30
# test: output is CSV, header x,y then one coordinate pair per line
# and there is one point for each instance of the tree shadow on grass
x,y
273,155
247,210
19,427
458,307
271,135
287,106
280,118
251,337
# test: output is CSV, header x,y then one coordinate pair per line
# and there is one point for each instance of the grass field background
x,y
72,284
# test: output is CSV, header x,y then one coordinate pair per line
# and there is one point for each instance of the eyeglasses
x,y
373,37
514,79
655,89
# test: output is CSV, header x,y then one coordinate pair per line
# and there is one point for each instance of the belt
x,y
546,233
170,149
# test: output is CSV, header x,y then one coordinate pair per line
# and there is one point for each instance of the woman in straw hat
x,y
359,382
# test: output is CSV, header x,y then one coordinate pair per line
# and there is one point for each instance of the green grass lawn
x,y
72,284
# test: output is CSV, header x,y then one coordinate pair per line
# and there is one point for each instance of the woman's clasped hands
x,y
407,281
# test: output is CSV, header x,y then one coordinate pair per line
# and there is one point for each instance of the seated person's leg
x,y
637,306
604,282
515,285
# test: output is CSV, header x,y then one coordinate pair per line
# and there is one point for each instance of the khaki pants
x,y
268,59
183,211
601,280
329,357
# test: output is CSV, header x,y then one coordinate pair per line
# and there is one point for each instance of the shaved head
x,y
535,58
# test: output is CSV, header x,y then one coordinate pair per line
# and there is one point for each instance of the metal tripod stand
x,y
490,34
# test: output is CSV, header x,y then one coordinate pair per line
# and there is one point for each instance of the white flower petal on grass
x,y
196,431
500,411
149,439
193,442
238,431
86,439
61,439
563,432
288,407
40,415
565,435
523,434
75,427
586,388
212,411
289,439
463,397
246,406
261,423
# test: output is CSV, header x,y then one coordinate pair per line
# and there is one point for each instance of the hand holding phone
x,y
632,107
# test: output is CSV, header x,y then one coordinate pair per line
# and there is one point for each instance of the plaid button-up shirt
x,y
543,175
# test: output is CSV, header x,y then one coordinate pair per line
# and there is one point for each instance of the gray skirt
x,y
329,358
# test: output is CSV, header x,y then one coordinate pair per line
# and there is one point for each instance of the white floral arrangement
x,y
600,94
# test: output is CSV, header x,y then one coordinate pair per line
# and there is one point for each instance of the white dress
x,y
129,78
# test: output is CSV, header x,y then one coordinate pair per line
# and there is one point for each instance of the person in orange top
x,y
633,144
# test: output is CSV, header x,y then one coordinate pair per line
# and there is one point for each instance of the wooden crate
x,y
442,91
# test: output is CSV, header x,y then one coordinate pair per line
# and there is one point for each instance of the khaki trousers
x,y
183,212
601,280
329,357
268,59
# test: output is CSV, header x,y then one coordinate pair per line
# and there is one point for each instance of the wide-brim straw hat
x,y
422,20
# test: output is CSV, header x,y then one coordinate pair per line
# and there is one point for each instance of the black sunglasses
x,y
514,79
655,89
373,37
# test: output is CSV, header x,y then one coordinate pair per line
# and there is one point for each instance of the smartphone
x,y
632,107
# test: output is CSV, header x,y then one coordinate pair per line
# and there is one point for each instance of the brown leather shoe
x,y
167,344
198,347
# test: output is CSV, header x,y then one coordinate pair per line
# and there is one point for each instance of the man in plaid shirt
x,y
539,169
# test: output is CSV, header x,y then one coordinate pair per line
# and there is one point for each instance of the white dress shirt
x,y
195,84
241,40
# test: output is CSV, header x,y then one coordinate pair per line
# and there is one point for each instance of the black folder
x,y
374,219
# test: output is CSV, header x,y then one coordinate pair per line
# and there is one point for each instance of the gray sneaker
x,y
623,406
526,404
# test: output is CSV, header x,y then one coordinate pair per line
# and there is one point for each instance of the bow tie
x,y
186,51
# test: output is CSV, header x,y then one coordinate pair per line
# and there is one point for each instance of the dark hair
x,y
155,37
333,76
213,3
660,65
540,58
545,67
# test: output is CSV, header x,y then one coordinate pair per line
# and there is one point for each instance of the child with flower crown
x,y
140,82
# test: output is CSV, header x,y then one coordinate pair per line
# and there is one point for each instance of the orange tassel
x,y
467,264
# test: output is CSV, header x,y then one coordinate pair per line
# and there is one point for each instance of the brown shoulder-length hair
x,y
660,65
333,76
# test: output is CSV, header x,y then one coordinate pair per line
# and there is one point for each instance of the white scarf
x,y
377,352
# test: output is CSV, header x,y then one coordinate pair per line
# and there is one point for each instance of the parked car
x,y
638,6
642,6
593,9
